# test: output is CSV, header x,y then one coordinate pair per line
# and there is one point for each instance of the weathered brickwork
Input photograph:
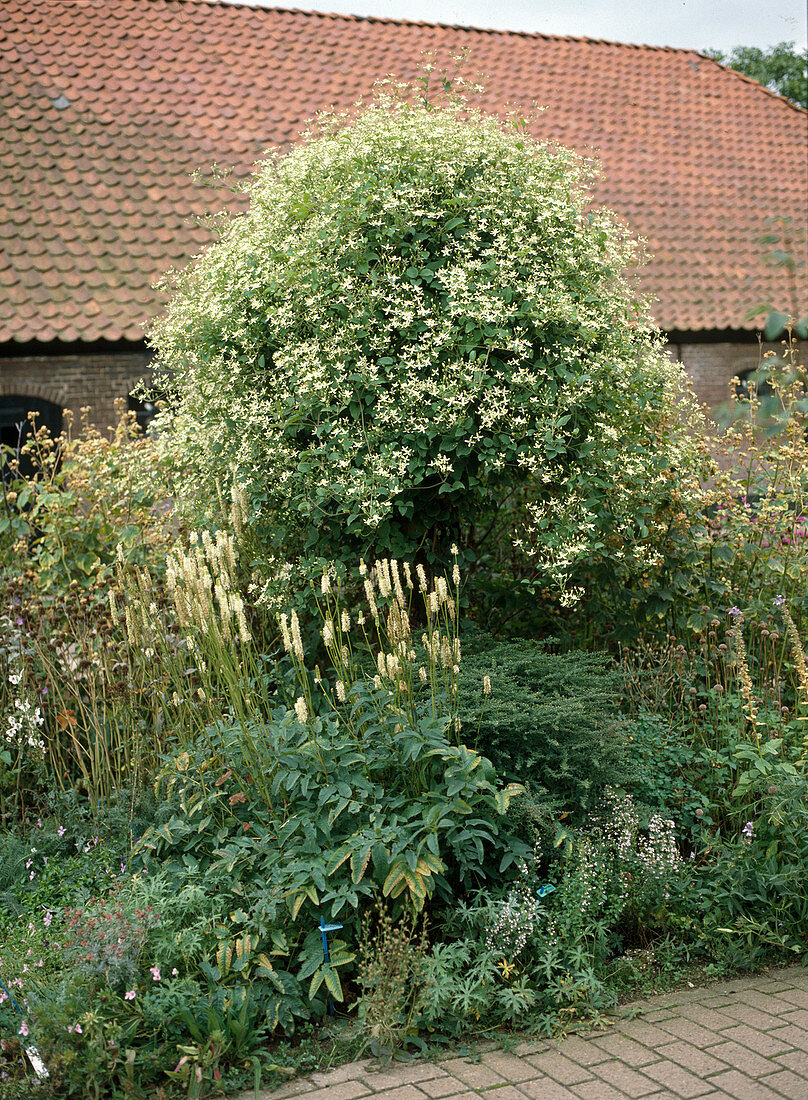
x,y
76,381
713,366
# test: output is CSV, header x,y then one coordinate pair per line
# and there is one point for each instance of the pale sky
x,y
687,24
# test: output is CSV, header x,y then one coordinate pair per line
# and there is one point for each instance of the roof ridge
x,y
258,6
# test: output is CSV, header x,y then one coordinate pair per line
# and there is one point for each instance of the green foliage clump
x,y
418,316
551,719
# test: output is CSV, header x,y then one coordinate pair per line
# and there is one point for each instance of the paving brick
x,y
560,1068
677,1079
344,1090
740,1087
466,1094
659,1014
717,1000
533,1046
473,1074
792,1085
349,1072
597,1090
400,1073
502,1092
743,1059
544,1088
693,1033
650,1035
799,1017
747,1014
798,997
626,1049
509,1067
796,1060
791,1035
711,1018
672,1096
666,1095
764,1043
628,1081
693,1059
403,1092
437,1087
766,1002
586,1052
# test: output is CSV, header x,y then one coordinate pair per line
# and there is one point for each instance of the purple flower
x,y
61,831
23,1030
748,832
779,601
735,613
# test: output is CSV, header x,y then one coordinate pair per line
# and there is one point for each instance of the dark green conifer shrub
x,y
551,719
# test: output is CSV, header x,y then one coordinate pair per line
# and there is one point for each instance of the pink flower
x,y
130,995
23,1030
155,973
75,1028
174,972
61,830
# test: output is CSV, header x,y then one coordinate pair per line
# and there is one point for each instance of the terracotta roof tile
x,y
110,105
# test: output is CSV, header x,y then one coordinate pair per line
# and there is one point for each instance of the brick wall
x,y
713,366
76,381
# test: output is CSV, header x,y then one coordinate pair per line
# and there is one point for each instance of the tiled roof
x,y
108,106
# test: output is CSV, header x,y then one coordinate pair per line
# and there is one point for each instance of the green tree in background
x,y
781,68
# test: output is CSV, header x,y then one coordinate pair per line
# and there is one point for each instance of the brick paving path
x,y
745,1040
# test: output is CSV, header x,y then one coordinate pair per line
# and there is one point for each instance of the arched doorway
x,y
15,426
